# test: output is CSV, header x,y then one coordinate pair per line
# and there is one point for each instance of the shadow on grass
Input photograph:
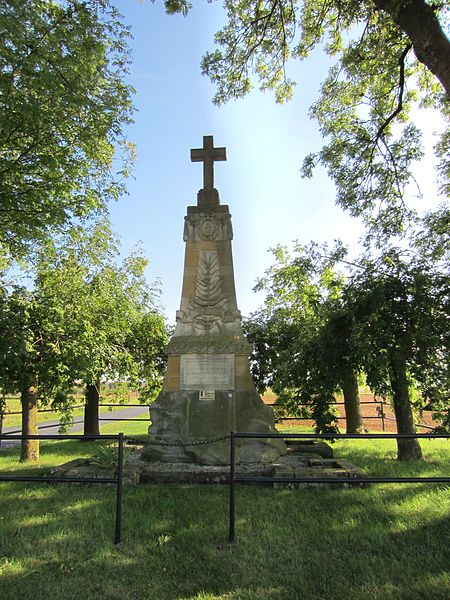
x,y
380,542
314,543
378,457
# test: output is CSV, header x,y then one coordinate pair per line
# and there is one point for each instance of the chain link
x,y
182,444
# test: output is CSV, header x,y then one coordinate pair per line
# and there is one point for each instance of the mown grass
x,y
13,405
381,542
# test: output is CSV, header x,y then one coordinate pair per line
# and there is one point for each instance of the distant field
x,y
370,408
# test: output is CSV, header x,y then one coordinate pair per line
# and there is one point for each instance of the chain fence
x,y
180,444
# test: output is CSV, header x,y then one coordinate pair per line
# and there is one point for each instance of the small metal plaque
x,y
206,395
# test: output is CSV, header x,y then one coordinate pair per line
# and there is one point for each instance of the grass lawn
x,y
382,542
14,406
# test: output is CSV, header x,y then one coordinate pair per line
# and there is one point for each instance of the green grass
x,y
382,542
15,420
14,405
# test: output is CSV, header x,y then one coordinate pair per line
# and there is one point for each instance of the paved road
x,y
51,427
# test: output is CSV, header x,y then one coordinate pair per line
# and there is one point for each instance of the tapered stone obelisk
x,y
208,390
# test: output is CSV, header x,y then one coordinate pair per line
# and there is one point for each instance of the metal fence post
x,y
117,480
231,534
119,491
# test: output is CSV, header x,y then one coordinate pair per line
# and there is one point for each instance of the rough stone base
x,y
293,464
83,467
307,446
183,419
300,466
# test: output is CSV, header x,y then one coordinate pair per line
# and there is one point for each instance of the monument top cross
x,y
208,155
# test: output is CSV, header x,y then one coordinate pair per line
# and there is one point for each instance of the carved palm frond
x,y
208,289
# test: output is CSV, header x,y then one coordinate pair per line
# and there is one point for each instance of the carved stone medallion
x,y
207,226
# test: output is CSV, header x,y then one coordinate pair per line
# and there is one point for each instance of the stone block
x,y
310,446
185,420
172,376
243,379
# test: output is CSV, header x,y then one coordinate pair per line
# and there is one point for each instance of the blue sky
x,y
269,201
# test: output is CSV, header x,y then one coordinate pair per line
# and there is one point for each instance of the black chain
x,y
181,444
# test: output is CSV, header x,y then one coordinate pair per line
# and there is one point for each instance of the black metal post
x,y
118,479
231,534
382,415
119,491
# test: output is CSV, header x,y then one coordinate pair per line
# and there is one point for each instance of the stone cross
x,y
207,155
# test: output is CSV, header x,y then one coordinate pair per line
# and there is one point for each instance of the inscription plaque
x,y
207,372
207,395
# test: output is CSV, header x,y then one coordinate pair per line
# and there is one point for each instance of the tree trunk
x,y
29,449
431,46
92,396
353,416
408,449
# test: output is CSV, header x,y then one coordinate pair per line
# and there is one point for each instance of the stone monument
x,y
208,390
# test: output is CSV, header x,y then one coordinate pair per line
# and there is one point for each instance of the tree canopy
x,y
87,317
386,318
102,308
63,105
303,335
390,56
402,309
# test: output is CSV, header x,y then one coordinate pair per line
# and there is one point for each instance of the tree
x,y
341,358
304,336
87,317
147,342
402,310
105,310
27,359
63,105
388,318
390,56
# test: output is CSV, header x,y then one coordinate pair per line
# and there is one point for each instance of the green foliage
x,y
63,106
176,6
146,342
87,318
388,315
105,308
389,57
402,310
432,240
302,335
108,456
256,39
26,353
